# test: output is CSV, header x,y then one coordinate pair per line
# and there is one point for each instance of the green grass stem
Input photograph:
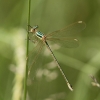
x,y
27,51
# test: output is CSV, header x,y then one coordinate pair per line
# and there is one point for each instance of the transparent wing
x,y
35,73
66,36
33,56
70,30
66,42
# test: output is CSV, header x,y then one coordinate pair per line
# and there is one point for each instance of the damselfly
x,y
63,36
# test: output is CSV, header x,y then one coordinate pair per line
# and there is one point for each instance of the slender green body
x,y
43,38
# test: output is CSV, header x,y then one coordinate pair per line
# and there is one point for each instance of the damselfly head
x,y
33,29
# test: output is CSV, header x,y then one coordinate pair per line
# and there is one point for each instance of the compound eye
x,y
35,27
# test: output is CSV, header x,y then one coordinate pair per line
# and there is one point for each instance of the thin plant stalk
x,y
27,51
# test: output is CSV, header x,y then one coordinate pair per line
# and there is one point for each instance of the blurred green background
x,y
45,81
